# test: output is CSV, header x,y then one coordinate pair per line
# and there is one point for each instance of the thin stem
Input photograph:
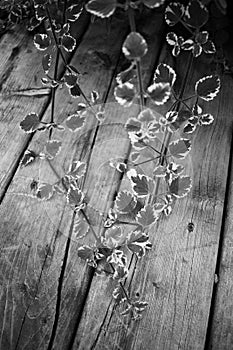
x,y
146,161
54,93
89,224
151,147
139,75
122,287
127,223
131,19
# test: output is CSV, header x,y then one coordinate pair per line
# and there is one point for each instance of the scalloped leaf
x,y
180,186
44,191
138,243
77,169
142,185
196,14
135,46
173,13
147,216
52,148
165,74
125,202
68,42
159,93
74,196
133,125
42,41
208,87
101,8
75,91
75,122
180,148
113,237
30,123
124,94
70,79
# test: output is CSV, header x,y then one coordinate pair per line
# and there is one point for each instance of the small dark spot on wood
x,y
156,284
190,227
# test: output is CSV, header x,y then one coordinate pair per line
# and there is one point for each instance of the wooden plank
x,y
34,243
177,276
21,69
221,325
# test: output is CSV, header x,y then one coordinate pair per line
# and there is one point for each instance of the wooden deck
x,y
50,299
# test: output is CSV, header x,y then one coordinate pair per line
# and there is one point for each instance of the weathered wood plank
x,y
220,335
21,69
34,242
177,276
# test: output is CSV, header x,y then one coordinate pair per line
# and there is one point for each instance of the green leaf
x,y
138,243
75,91
52,148
124,94
153,3
77,170
142,185
68,42
165,74
70,79
180,186
73,12
173,13
44,191
30,123
113,237
159,93
101,8
46,62
147,216
196,14
180,148
75,196
208,87
28,158
75,122
125,202
42,41
135,46
133,125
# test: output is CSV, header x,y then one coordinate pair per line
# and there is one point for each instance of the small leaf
x,y
196,14
142,185
146,216
153,3
147,116
126,75
206,119
113,236
73,12
171,38
101,8
52,148
133,125
75,91
119,295
30,123
28,158
125,202
165,74
46,62
75,122
77,169
75,196
70,79
138,243
68,42
44,191
94,96
86,253
42,41
159,93
134,156
173,13
209,47
135,46
208,87
180,148
180,186
124,94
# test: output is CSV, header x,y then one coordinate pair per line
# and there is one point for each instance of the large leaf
x,y
165,74
125,202
101,8
180,148
208,87
180,186
135,46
